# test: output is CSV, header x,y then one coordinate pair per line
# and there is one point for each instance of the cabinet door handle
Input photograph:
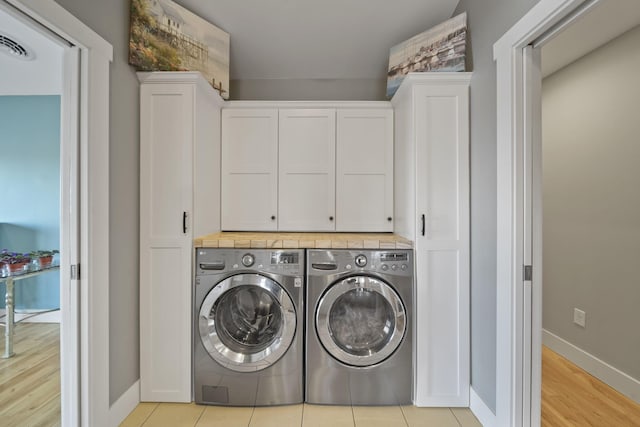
x,y
184,223
423,224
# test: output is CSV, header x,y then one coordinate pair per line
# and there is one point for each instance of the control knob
x,y
361,260
248,260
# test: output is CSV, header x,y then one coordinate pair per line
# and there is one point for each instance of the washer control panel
x,y
215,261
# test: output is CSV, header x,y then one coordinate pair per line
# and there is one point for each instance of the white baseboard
x,y
606,373
27,317
480,409
126,403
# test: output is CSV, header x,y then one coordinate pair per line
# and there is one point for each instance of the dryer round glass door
x,y
247,322
360,321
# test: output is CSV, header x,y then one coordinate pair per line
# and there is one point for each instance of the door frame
x,y
84,112
519,307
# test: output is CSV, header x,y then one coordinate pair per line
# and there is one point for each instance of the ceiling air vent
x,y
15,49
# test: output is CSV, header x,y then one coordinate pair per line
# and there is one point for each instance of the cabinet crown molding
x,y
309,104
432,79
181,77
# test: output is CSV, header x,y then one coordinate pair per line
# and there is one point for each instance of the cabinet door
x,y
249,169
364,175
166,192
306,170
442,245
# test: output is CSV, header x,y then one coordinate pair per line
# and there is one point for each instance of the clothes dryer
x,y
359,332
248,327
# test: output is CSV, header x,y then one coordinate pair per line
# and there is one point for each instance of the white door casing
x,y
70,241
519,233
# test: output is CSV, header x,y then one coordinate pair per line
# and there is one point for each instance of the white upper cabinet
x,y
250,169
307,166
364,186
306,152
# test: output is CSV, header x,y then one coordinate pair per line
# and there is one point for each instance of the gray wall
x,y
488,20
110,19
591,202
310,89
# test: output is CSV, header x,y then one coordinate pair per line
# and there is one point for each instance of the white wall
x,y
591,202
41,75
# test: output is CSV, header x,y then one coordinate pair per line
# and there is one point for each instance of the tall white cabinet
x,y
432,209
179,158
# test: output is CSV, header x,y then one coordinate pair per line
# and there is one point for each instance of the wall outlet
x,y
579,317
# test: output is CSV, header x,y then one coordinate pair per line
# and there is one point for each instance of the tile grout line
x,y
149,416
353,416
404,416
253,410
456,417
200,416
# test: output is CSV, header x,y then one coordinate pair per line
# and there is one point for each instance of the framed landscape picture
x,y
442,48
165,36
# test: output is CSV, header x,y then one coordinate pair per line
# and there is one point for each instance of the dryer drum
x,y
360,321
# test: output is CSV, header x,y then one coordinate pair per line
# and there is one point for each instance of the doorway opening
x,y
39,216
519,333
590,218
85,196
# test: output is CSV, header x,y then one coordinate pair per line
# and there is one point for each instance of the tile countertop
x,y
278,240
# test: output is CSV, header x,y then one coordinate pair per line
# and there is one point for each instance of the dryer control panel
x,y
331,261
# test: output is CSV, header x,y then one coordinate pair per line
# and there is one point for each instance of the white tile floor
x,y
191,415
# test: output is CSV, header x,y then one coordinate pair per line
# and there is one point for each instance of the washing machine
x,y
359,332
248,327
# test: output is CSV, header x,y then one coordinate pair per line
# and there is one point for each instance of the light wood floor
x,y
571,397
30,381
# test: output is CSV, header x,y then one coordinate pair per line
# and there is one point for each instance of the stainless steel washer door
x,y
361,321
247,322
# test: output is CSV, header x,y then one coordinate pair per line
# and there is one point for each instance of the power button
x,y
248,260
361,260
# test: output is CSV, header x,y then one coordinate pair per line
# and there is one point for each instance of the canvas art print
x,y
442,48
164,36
